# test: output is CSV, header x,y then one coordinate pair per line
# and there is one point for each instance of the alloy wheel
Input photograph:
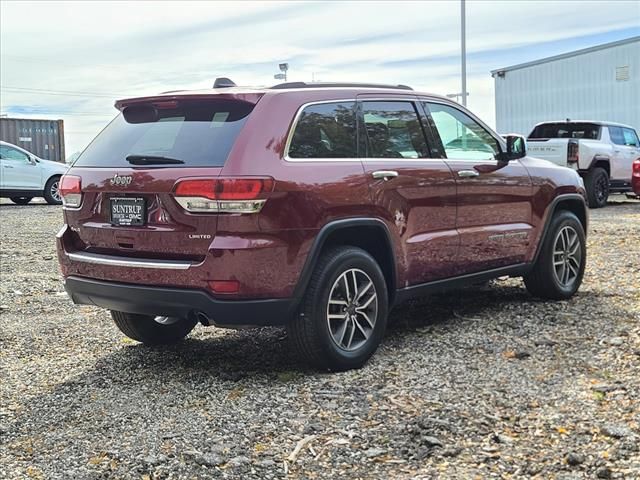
x,y
567,256
55,191
352,309
601,188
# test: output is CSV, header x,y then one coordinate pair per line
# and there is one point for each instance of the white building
x,y
597,83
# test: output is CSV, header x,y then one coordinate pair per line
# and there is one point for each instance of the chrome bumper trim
x,y
128,262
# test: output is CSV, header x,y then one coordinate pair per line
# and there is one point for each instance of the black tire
x,y
51,194
145,329
310,330
596,182
543,280
21,200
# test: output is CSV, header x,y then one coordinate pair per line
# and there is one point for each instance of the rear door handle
x,y
7,166
468,173
384,174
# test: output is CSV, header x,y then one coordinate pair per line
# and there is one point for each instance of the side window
x,y
630,137
326,130
616,135
462,137
393,130
8,153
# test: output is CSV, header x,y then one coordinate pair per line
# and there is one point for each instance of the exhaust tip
x,y
204,319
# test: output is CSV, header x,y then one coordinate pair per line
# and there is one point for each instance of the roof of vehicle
x,y
254,93
2,142
595,122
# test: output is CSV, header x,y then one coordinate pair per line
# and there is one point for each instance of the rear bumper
x,y
166,301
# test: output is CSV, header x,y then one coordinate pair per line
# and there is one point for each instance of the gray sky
x,y
71,60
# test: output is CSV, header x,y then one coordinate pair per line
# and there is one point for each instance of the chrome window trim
x,y
294,124
404,96
399,97
114,261
501,142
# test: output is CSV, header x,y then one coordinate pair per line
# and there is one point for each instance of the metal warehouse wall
x,y
44,138
581,87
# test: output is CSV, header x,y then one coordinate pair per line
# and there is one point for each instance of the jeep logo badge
x,y
121,180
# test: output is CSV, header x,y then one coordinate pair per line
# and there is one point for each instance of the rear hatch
x,y
552,149
128,176
558,141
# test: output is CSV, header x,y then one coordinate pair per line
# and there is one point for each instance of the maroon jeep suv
x,y
315,206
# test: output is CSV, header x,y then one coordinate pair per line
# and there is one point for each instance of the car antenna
x,y
223,82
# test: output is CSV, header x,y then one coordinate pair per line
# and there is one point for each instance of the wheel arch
x,y
370,234
600,161
53,175
572,202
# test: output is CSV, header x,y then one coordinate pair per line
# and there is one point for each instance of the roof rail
x,y
281,86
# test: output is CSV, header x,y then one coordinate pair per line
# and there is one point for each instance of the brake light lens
x,y
70,188
636,168
572,152
223,195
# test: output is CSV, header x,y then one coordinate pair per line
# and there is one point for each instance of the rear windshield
x,y
198,134
566,130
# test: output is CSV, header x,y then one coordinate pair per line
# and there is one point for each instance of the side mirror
x,y
33,160
516,147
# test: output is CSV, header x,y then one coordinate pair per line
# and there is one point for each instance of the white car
x,y
601,152
24,176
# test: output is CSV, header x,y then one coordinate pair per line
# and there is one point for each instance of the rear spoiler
x,y
162,100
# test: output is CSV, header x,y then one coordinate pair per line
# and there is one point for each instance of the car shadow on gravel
x,y
231,355
265,353
454,306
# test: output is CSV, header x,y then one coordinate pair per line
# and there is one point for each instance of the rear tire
x,y
21,200
339,326
52,192
145,329
558,271
596,183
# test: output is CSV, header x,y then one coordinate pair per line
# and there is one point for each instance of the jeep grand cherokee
x,y
315,206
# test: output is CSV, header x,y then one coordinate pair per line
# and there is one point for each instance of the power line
x,y
67,113
60,92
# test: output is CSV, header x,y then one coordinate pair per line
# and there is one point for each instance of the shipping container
x,y
43,138
600,83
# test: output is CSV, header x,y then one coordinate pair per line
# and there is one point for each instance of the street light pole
x,y
463,42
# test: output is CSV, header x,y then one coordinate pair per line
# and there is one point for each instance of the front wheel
x,y
343,315
21,200
153,330
52,191
558,271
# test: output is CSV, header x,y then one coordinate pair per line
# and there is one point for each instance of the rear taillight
x,y
71,191
572,151
636,168
223,195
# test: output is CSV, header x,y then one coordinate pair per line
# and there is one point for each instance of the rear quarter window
x,y
325,130
199,133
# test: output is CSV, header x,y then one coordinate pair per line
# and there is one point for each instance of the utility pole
x,y
463,42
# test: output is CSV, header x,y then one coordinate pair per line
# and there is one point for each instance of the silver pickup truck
x,y
602,152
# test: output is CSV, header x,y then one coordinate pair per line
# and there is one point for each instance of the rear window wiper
x,y
152,160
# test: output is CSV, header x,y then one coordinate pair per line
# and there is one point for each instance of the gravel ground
x,y
485,383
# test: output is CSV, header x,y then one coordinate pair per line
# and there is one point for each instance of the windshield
x,y
193,133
